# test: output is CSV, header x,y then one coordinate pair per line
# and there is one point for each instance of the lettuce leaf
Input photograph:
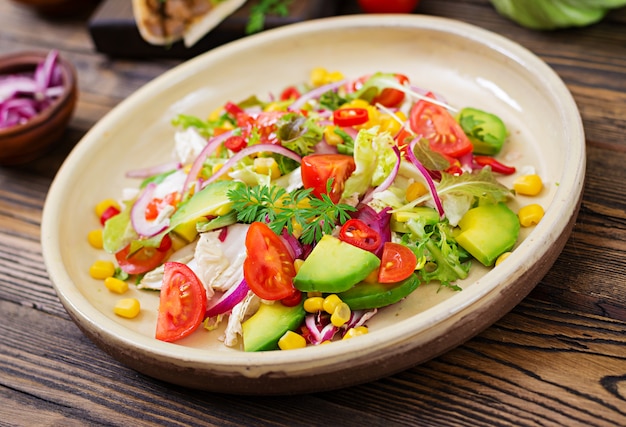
x,y
553,14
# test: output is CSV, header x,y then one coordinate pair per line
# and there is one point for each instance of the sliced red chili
x,y
289,92
496,166
108,213
350,116
235,143
359,234
232,108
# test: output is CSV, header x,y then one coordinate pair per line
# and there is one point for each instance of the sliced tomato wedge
x,y
182,303
318,169
397,263
359,234
145,259
268,267
391,97
438,126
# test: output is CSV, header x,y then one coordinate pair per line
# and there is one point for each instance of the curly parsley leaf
x,y
287,210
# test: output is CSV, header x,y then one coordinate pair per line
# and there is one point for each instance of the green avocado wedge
x,y
334,266
264,328
365,296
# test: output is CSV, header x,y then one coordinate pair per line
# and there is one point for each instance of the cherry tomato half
x,y
317,169
438,126
145,259
397,263
182,303
388,6
268,267
350,116
359,234
391,97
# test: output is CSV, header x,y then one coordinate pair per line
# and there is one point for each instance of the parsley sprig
x,y
258,12
281,209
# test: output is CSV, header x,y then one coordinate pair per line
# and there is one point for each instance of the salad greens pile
x,y
294,220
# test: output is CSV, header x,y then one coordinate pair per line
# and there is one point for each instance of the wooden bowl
x,y
30,140
468,65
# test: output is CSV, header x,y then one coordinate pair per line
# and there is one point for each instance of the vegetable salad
x,y
295,219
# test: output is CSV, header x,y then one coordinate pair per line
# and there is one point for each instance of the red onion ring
x,y
153,170
228,300
142,226
315,93
257,148
211,146
387,182
431,184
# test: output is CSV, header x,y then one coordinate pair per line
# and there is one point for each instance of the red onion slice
x,y
431,184
228,300
153,170
390,178
142,226
258,148
315,93
211,146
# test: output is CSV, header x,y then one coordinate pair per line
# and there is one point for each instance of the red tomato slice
x,y
235,143
145,259
182,303
391,97
268,267
317,169
438,126
359,234
397,263
388,6
290,92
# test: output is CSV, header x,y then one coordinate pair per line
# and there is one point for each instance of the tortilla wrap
x,y
159,28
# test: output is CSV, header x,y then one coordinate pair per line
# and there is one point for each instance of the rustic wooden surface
x,y
559,358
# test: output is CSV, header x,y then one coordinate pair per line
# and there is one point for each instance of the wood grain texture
x,y
558,358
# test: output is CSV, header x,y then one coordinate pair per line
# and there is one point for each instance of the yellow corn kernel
x,y
331,302
127,307
530,215
94,237
274,106
216,168
318,76
355,332
102,269
415,190
215,114
528,185
356,103
116,285
502,257
291,340
297,228
267,166
297,263
313,304
334,76
104,205
340,315
331,137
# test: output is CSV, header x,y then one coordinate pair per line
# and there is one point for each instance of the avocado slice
x,y
365,296
485,130
211,200
488,231
334,266
264,328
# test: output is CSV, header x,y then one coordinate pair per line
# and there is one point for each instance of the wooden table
x,y
559,358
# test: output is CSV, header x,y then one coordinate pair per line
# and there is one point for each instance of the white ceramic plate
x,y
468,65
